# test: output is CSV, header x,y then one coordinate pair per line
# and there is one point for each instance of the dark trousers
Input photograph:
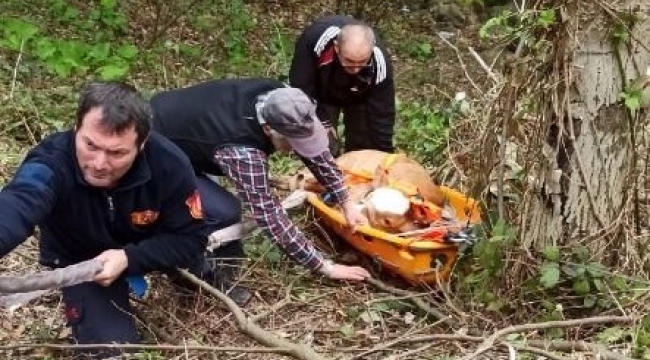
x,y
103,315
356,134
221,208
100,315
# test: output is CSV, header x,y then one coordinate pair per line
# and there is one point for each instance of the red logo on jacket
x,y
146,217
193,202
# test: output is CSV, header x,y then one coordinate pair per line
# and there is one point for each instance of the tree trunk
x,y
588,169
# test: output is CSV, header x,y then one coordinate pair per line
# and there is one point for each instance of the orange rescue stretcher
x,y
426,258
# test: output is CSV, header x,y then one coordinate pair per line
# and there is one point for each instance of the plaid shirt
x,y
248,168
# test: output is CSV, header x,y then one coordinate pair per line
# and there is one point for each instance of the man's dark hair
x,y
122,106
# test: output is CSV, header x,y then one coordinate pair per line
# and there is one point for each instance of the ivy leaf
x,y
550,275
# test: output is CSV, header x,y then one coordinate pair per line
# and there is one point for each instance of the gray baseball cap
x,y
292,113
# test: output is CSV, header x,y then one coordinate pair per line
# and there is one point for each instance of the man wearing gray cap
x,y
230,127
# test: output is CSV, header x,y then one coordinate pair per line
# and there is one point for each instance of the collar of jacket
x,y
139,173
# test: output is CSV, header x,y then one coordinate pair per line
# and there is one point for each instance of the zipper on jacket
x,y
111,208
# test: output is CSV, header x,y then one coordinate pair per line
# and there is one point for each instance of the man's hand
x,y
343,272
353,216
115,262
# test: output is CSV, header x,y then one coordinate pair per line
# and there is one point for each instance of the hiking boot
x,y
222,274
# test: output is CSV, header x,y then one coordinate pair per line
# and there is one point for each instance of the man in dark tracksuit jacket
x,y
107,190
338,63
230,127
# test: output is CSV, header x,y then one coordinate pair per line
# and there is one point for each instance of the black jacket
x,y
205,117
316,69
148,214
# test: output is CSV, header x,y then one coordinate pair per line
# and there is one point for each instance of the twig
x,y
15,72
481,62
253,330
277,306
409,352
489,342
158,31
414,340
570,346
462,63
417,301
538,351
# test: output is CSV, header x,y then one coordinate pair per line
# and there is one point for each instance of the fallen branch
x,y
142,347
417,301
253,330
489,342
15,290
570,346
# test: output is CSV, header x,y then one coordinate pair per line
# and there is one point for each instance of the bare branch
x,y
489,342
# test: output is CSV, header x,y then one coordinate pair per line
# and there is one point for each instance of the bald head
x,y
354,45
358,34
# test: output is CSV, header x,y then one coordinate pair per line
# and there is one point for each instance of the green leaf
x,y
552,253
589,301
570,271
23,29
546,18
370,316
112,72
44,49
108,4
611,335
485,30
596,269
380,306
599,284
633,103
619,283
581,286
127,52
100,51
347,330
550,275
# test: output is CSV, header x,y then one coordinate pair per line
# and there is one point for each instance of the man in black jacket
x,y
231,127
338,62
112,191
